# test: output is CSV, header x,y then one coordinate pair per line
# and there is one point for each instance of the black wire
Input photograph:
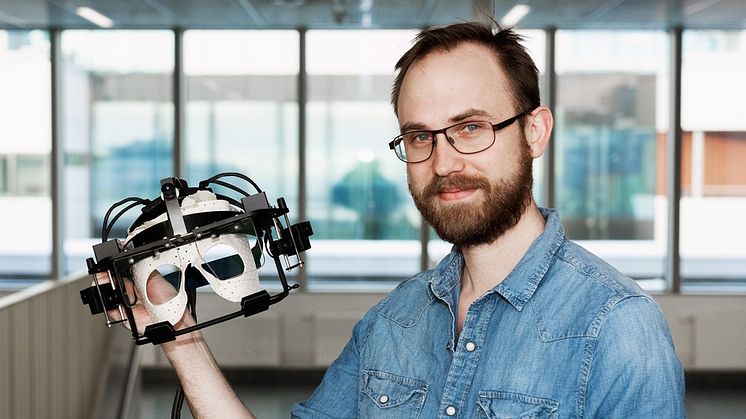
x,y
104,229
177,404
105,234
234,174
179,396
232,187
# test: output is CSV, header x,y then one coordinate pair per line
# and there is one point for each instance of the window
x,y
366,225
25,121
118,127
713,196
612,116
242,114
242,109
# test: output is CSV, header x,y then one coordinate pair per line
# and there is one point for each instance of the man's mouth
x,y
454,194
454,188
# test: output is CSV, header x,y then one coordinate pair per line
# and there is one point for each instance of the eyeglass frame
x,y
495,127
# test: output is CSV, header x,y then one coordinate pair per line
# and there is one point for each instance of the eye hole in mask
x,y
173,276
223,262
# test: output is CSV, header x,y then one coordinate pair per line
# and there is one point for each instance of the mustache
x,y
441,183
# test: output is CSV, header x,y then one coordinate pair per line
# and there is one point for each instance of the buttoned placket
x,y
466,356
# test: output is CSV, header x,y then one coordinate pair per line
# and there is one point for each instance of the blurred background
x,y
101,99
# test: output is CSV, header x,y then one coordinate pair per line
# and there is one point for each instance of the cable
x,y
104,228
232,174
105,234
179,396
232,187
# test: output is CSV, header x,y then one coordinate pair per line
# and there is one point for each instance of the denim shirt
x,y
565,335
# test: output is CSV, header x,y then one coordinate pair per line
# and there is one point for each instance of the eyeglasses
x,y
468,137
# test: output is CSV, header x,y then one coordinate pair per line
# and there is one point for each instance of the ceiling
x,y
618,14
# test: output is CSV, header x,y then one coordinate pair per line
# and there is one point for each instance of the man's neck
x,y
487,265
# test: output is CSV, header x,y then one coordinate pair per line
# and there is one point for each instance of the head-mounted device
x,y
193,237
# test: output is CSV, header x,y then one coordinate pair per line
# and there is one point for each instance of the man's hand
x,y
208,393
159,291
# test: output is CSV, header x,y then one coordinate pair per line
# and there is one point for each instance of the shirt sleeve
x,y
634,370
337,395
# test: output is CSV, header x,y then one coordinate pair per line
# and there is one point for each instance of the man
x,y
517,321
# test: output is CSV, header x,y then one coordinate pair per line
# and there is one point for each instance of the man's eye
x,y
471,128
418,137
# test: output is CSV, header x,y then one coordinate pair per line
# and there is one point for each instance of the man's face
x,y
468,199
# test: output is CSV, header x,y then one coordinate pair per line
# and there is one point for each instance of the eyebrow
x,y
469,113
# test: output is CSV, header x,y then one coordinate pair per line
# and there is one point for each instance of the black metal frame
x,y
258,217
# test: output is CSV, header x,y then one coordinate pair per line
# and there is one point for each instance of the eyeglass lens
x,y
467,137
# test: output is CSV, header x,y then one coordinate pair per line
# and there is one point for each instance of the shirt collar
x,y
519,286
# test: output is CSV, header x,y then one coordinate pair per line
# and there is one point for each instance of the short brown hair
x,y
522,74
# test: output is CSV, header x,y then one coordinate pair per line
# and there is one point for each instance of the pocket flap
x,y
503,405
389,390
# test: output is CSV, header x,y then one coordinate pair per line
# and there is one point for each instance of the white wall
x,y
309,330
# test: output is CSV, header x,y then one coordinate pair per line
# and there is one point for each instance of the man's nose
x,y
445,159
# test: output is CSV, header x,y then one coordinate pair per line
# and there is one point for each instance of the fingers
x,y
102,278
159,290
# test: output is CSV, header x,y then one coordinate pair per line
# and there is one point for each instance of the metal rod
x,y
673,157
278,228
292,240
179,100
57,169
551,98
302,275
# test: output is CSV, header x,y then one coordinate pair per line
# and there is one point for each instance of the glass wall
x,y
611,122
25,146
117,127
357,190
242,109
713,184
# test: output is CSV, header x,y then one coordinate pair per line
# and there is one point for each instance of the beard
x,y
505,200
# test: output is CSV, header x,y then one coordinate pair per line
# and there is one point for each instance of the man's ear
x,y
538,130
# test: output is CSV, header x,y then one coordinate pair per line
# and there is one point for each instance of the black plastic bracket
x,y
107,249
255,202
92,297
160,333
290,243
255,303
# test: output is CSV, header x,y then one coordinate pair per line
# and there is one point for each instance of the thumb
x,y
159,289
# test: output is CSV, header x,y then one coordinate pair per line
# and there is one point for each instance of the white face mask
x,y
223,281
226,262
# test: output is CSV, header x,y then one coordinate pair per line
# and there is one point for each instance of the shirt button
x,y
470,346
450,410
383,399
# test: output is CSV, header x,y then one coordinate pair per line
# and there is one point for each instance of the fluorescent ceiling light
x,y
94,17
515,15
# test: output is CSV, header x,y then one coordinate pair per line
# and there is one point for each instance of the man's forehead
x,y
448,85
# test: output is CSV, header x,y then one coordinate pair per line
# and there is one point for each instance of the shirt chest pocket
x,y
506,405
385,395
